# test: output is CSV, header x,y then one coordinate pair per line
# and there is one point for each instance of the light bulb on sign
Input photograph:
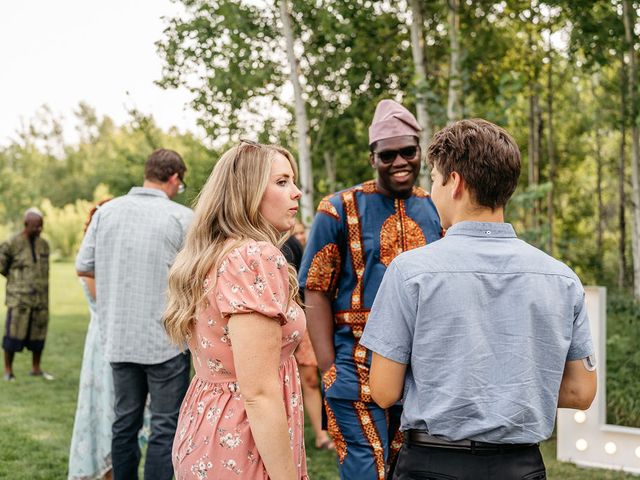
x,y
582,445
580,416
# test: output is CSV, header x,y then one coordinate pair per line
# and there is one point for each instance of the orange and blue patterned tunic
x,y
355,235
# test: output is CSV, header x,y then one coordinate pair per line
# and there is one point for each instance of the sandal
x,y
45,375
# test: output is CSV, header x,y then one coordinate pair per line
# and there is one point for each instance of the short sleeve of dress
x,y
253,278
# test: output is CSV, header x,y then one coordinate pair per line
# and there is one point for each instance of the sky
x,y
66,51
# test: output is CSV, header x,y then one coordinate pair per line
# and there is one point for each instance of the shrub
x,y
623,360
63,227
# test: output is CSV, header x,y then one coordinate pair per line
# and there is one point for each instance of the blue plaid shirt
x,y
130,245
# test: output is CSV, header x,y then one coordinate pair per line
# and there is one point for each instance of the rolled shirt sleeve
x,y
581,341
6,258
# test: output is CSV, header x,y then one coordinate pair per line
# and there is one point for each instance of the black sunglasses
x,y
249,142
388,156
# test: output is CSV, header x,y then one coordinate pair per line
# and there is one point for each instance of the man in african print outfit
x,y
355,235
24,261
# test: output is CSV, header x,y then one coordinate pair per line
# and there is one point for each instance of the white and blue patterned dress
x,y
90,452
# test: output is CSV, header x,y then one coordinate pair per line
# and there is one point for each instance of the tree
x,y
304,155
630,39
454,106
229,55
421,85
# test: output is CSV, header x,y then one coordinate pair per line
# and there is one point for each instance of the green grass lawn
x,y
36,416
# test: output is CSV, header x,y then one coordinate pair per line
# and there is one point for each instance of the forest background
x,y
561,76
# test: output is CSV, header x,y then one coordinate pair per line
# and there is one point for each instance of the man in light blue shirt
x,y
129,247
481,334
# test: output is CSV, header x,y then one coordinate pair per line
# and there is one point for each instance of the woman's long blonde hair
x,y
227,207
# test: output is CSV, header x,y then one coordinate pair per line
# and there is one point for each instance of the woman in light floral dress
x,y
233,297
90,450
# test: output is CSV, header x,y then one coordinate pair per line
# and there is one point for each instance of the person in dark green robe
x,y
24,261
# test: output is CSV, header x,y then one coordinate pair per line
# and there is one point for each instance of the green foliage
x,y
106,154
63,227
6,231
520,205
353,53
238,45
623,360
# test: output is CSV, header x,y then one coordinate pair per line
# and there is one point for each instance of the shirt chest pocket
x,y
19,263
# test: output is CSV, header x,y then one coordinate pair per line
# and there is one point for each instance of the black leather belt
x,y
423,439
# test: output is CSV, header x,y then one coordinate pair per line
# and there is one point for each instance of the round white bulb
x,y
638,452
610,448
582,445
580,416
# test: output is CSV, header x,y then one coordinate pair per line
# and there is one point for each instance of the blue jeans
x,y
166,383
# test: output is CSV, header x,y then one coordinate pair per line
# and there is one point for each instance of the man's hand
x,y
85,274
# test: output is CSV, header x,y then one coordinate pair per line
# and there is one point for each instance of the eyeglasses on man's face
x,y
388,156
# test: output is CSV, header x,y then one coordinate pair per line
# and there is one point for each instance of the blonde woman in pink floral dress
x,y
233,298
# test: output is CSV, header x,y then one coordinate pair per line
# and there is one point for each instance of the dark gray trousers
x,y
426,463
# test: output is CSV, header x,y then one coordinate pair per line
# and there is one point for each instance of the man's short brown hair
x,y
485,156
163,163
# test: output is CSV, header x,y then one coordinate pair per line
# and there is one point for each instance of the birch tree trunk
x,y
302,125
622,224
550,149
595,80
534,150
600,223
420,66
330,167
629,24
454,108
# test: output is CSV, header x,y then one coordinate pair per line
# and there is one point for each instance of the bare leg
x,y
36,362
8,361
313,402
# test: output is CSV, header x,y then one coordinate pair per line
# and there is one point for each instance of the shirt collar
x,y
147,191
482,229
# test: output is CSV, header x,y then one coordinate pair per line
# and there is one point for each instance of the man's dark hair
x,y
163,163
485,156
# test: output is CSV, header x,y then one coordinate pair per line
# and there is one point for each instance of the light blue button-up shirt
x,y
485,324
130,245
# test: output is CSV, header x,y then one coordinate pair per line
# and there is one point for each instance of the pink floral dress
x,y
213,438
